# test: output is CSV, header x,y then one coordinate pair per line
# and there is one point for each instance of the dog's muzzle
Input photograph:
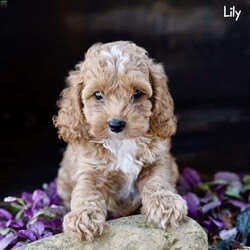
x,y
116,125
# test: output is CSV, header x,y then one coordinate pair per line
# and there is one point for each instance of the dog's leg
x,y
160,202
64,187
88,209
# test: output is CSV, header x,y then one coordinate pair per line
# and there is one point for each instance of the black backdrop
x,y
206,57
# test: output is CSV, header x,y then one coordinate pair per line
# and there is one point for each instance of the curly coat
x,y
104,171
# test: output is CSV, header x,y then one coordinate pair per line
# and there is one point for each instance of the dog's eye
x,y
98,95
137,94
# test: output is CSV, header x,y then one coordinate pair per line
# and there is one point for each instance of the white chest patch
x,y
125,153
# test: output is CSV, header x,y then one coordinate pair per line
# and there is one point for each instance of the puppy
x,y
116,114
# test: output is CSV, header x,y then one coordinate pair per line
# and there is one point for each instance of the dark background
x,y
206,57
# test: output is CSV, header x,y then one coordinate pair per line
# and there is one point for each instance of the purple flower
x,y
37,198
191,176
242,205
50,190
7,240
192,203
206,198
207,225
37,228
27,197
27,234
218,223
188,181
18,244
210,205
17,223
54,224
227,176
207,202
4,214
33,216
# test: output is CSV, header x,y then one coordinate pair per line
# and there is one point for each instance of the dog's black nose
x,y
116,125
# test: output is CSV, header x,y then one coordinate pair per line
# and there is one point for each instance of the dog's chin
x,y
125,135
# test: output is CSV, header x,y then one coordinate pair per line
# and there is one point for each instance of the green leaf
x,y
203,187
19,214
234,189
243,224
246,179
221,245
217,182
4,231
13,208
21,202
45,213
246,188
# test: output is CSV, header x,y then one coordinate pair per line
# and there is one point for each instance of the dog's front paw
x,y
84,224
163,208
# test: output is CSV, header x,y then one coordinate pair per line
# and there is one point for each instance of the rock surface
x,y
132,233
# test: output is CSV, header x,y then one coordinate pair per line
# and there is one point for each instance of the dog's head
x,y
117,91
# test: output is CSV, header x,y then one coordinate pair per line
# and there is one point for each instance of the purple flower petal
x,y
44,202
18,244
27,197
37,195
237,203
191,176
17,224
218,187
206,198
210,206
217,222
220,191
183,186
3,224
208,225
28,212
7,240
37,198
54,224
47,235
37,228
192,203
27,234
50,190
227,176
5,214
8,223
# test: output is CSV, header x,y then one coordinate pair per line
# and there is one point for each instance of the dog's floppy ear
x,y
70,121
163,120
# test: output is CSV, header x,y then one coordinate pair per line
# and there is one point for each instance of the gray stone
x,y
132,233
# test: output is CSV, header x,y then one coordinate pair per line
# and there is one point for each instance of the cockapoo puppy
x,y
116,114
